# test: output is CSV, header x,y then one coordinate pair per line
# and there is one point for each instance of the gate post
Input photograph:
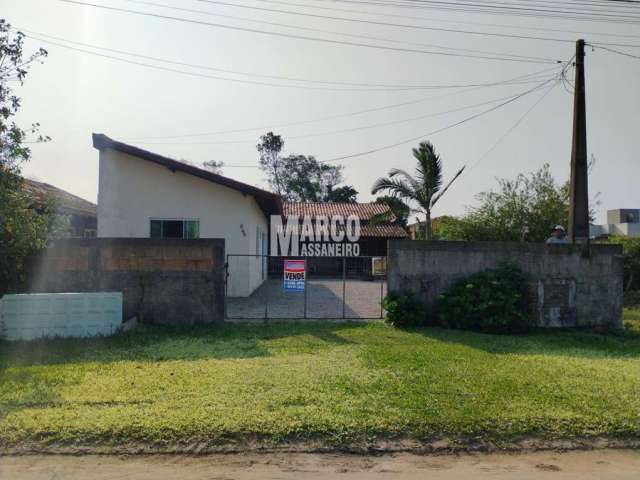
x,y
381,296
226,286
344,283
306,286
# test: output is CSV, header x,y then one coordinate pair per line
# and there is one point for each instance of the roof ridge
x,y
269,202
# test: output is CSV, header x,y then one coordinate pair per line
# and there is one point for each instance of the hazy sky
x,y
74,93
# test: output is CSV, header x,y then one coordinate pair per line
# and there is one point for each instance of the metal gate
x,y
334,288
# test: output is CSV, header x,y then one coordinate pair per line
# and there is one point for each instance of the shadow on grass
x,y
155,343
569,343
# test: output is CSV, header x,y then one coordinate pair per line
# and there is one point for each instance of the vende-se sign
x,y
294,275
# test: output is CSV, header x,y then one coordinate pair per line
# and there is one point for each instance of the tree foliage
x,y
301,178
423,189
397,208
269,147
525,208
631,260
522,209
22,229
493,301
344,194
213,166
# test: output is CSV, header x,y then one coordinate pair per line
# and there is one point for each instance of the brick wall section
x,y
169,282
568,288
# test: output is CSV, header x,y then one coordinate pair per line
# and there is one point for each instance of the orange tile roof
x,y
364,211
383,230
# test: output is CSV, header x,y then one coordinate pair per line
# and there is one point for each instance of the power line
x,y
374,86
486,153
596,45
349,130
440,20
465,120
333,32
510,129
494,10
416,27
511,81
399,25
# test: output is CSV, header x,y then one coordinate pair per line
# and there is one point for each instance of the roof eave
x,y
269,203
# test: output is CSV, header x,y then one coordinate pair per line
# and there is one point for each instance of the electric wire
x,y
510,81
416,27
301,37
442,129
373,86
455,22
333,32
349,130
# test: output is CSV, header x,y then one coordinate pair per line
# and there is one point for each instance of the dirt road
x,y
585,465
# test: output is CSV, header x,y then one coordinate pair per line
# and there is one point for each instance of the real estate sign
x,y
294,275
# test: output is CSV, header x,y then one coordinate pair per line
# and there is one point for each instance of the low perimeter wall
x,y
163,281
568,289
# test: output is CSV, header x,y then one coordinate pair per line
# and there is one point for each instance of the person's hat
x,y
559,227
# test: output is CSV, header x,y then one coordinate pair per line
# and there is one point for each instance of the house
x,y
145,195
80,212
621,221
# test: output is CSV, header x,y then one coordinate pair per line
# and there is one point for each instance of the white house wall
x,y
133,191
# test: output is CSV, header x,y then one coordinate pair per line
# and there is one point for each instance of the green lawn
x,y
337,383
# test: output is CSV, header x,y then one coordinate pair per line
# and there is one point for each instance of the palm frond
x,y
396,187
394,172
442,192
429,171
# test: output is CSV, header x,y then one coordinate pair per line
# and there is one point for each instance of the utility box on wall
x,y
30,316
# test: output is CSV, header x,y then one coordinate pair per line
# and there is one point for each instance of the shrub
x,y
630,259
403,310
632,298
493,301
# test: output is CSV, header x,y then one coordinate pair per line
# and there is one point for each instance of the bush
x,y
403,310
630,259
632,298
493,301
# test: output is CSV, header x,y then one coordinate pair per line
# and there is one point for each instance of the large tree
x,y
301,178
422,190
269,147
524,208
22,229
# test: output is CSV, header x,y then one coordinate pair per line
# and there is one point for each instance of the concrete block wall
x,y
171,282
568,288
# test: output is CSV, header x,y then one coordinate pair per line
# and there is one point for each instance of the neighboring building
x,y
143,194
80,212
374,234
622,221
417,230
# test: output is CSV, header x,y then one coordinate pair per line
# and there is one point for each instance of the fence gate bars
x,y
275,287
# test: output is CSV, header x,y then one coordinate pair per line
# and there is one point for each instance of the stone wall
x,y
163,281
569,288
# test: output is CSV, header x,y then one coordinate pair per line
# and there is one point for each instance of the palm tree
x,y
424,189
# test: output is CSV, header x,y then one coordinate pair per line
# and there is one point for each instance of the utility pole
x,y
579,191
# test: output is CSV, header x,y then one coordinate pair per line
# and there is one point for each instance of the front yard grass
x,y
337,384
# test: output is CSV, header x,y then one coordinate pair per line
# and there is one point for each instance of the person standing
x,y
559,236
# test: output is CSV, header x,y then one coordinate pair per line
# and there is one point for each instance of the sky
x,y
371,98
